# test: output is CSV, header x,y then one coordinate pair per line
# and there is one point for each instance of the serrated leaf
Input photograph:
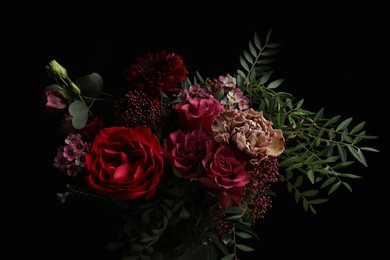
x,y
297,196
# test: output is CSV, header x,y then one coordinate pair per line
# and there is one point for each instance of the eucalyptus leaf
x,y
90,85
79,112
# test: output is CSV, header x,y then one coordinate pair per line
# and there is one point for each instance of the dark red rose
x,y
185,152
227,171
198,112
88,133
157,73
125,163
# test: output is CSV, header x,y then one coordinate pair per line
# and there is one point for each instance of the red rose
x,y
227,171
88,133
198,112
125,163
185,152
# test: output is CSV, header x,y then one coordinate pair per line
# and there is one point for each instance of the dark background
x,y
334,56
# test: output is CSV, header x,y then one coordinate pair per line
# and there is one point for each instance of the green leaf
x,y
343,164
298,181
369,149
243,235
347,186
342,152
318,115
357,127
310,193
349,175
332,120
334,187
305,204
328,181
312,209
344,124
244,248
257,41
79,112
357,153
289,187
318,201
252,49
248,57
269,53
275,83
244,64
228,257
297,196
90,85
310,176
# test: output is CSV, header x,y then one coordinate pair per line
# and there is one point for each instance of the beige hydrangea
x,y
250,132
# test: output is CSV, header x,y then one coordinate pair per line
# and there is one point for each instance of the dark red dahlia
x,y
157,73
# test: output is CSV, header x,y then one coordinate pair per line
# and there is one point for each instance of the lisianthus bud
x,y
55,70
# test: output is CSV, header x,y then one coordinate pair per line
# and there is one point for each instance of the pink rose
x,y
185,152
227,171
125,163
198,112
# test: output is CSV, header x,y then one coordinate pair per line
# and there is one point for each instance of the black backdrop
x,y
334,56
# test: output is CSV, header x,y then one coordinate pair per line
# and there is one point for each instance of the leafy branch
x,y
318,149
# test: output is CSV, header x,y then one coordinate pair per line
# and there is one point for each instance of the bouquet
x,y
190,165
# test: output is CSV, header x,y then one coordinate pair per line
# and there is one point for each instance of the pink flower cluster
x,y
71,156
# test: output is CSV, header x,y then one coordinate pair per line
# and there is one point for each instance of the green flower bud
x,y
56,71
